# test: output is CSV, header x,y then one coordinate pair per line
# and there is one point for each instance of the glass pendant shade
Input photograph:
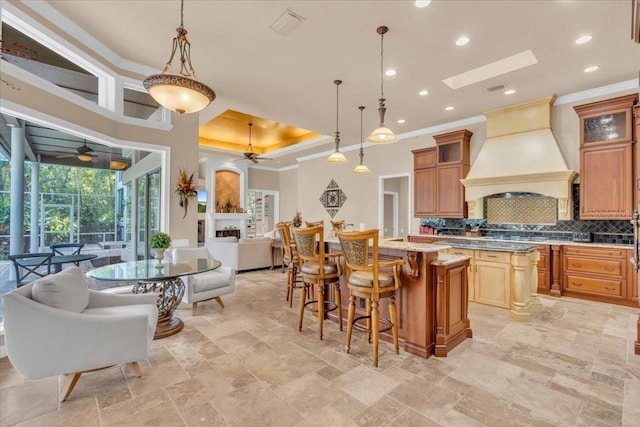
x,y
382,134
178,93
361,168
337,156
85,157
181,93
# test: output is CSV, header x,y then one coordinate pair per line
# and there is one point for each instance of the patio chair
x,y
34,264
67,249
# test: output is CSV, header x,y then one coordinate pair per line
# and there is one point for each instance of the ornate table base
x,y
170,294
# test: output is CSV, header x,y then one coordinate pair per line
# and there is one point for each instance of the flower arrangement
x,y
186,189
297,219
160,240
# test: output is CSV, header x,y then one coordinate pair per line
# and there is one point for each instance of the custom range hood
x,y
520,154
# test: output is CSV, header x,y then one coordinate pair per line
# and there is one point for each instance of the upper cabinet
x,y
438,191
606,158
606,122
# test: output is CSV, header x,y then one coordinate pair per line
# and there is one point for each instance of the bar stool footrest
x,y
328,306
359,327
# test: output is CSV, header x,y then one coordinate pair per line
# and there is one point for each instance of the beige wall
x,y
260,179
288,184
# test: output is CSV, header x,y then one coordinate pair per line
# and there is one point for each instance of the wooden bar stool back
x,y
317,268
366,280
290,258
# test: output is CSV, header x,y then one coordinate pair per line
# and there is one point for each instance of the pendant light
x,y
337,156
382,134
361,168
181,93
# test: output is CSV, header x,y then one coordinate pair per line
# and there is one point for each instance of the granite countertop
x,y
403,246
493,245
536,241
447,259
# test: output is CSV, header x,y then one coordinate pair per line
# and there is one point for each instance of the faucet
x,y
344,227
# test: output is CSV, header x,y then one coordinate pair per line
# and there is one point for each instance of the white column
x,y
35,206
17,193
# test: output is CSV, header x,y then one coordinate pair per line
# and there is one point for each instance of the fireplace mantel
x,y
219,221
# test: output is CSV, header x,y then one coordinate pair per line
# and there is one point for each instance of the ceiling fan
x,y
83,153
251,155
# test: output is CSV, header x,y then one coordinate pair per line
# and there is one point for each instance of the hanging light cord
x,y
337,83
361,133
382,66
181,43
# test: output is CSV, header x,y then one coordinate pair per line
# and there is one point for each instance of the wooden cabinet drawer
x,y
465,252
608,267
494,256
607,287
594,252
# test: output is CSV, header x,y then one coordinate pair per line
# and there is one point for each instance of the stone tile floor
x,y
247,365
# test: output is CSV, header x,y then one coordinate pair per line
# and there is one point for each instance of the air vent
x,y
287,22
495,88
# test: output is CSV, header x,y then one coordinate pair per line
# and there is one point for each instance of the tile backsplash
x,y
604,231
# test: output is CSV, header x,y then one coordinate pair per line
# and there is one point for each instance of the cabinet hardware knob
x,y
577,265
610,289
577,284
492,256
610,268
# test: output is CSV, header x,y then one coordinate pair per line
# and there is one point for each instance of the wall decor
x,y
186,189
333,198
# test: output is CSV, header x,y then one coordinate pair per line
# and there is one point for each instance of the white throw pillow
x,y
66,290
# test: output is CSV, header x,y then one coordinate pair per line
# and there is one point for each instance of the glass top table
x,y
150,270
152,276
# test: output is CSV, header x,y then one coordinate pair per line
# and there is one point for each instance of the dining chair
x,y
290,258
31,264
67,249
366,280
317,268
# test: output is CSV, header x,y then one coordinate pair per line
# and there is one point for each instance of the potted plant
x,y
159,242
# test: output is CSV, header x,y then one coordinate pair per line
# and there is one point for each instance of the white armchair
x,y
57,326
208,285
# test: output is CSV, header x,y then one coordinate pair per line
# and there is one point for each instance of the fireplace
x,y
228,232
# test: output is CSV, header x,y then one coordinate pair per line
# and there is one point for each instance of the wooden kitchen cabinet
x,y
425,191
606,158
470,269
606,182
544,269
492,283
636,155
598,274
438,170
632,279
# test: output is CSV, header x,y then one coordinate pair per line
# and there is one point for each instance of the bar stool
x,y
365,280
318,268
290,258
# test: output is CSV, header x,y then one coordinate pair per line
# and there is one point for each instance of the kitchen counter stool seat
x,y
318,268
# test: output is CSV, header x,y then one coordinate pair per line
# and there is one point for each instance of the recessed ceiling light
x,y
390,72
509,91
422,3
583,39
462,41
591,69
423,92
449,108
401,121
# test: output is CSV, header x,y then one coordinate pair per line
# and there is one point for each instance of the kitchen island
x,y
502,274
432,300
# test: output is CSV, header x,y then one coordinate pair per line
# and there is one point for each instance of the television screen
x,y
202,201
